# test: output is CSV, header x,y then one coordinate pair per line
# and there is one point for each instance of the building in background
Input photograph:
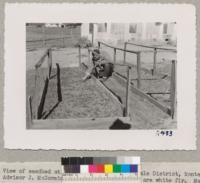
x,y
119,32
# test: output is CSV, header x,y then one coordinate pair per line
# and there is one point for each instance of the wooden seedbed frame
x,y
76,123
126,81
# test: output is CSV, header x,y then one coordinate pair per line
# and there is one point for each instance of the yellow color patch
x,y
108,168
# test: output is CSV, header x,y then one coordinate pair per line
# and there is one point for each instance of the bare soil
x,y
79,99
86,99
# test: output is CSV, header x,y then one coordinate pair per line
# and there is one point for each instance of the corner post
x,y
128,84
125,46
138,70
154,61
173,88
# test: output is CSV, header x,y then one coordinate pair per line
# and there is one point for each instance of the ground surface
x,y
80,99
144,114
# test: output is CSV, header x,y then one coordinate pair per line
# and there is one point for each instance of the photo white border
x,y
16,136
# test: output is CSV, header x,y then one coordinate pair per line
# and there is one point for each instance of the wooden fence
x,y
64,41
153,49
36,102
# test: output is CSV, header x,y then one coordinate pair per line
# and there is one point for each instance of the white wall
x,y
119,32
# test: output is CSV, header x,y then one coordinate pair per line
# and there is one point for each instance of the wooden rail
x,y
121,49
49,39
155,50
128,79
152,47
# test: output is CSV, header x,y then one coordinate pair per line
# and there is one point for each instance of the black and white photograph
x,y
82,77
101,75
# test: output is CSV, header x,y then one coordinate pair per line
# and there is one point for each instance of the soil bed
x,y
79,99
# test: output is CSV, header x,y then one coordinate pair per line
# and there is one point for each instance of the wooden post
x,y
173,88
93,34
49,62
128,84
139,70
114,57
79,55
99,45
59,92
154,61
89,57
42,100
125,46
30,108
43,32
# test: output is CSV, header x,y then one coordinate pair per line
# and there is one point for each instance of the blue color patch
x,y
125,168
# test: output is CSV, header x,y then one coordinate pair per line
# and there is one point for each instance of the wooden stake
x,y
128,84
125,46
114,55
99,45
59,92
30,108
44,37
92,34
42,100
173,88
154,61
49,62
89,57
138,70
79,54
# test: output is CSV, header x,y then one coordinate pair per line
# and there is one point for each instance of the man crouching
x,y
102,67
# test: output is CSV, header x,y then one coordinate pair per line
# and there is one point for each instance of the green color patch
x,y
117,168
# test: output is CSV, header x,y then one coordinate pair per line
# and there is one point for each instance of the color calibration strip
x,y
108,165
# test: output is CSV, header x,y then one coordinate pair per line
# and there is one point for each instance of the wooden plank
x,y
137,91
79,123
153,47
42,100
158,93
128,84
139,70
173,88
59,91
121,49
110,92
